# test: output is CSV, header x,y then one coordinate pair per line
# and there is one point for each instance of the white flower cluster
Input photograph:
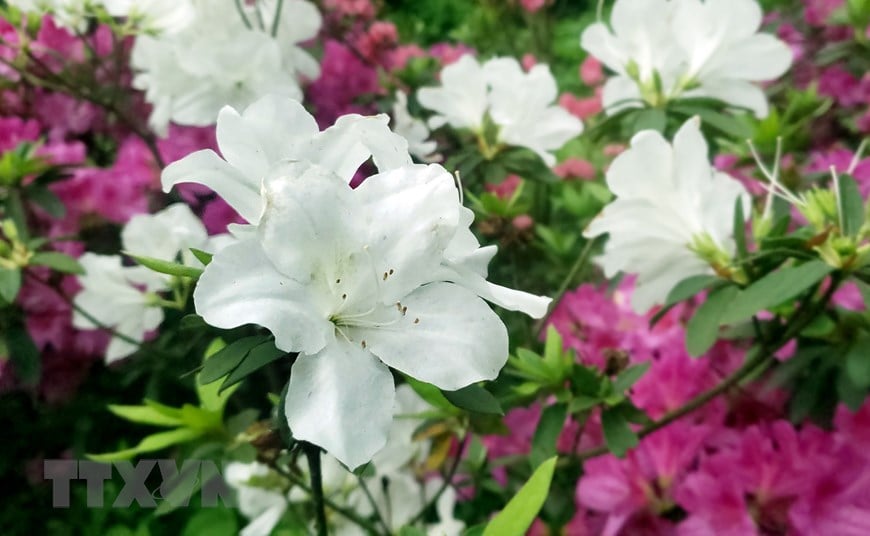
x,y
519,103
395,489
665,49
126,298
224,56
147,15
357,281
667,196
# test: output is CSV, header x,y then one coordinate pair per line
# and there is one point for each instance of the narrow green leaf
x,y
851,205
224,361
474,398
47,200
144,415
547,434
858,361
739,228
521,511
553,348
150,443
690,287
10,283
431,394
703,328
650,119
773,289
629,377
617,433
58,262
201,256
257,358
24,355
167,267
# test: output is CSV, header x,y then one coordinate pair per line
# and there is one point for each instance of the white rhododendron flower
x,y
666,49
667,197
263,506
356,281
412,129
519,103
276,129
220,59
125,298
156,16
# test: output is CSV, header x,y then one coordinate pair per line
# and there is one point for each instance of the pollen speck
x,y
416,320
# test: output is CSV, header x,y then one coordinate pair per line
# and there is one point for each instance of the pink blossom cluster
x,y
733,467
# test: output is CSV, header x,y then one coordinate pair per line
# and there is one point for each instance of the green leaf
x,y
167,267
150,443
201,256
10,283
617,433
703,328
474,398
858,361
553,348
851,205
47,200
24,355
739,228
547,433
256,359
521,511
774,289
585,380
691,287
650,119
525,163
212,522
430,394
144,415
582,403
629,377
58,262
224,361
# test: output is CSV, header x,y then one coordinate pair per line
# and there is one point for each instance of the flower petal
x,y
207,168
241,286
448,337
341,399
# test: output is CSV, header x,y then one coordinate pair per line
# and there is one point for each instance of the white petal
x,y
341,399
353,139
165,234
412,215
241,286
205,167
448,337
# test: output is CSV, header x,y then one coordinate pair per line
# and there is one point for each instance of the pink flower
x,y
402,54
361,9
533,6
817,12
841,85
523,222
344,78
217,215
529,60
447,53
581,107
576,168
641,485
377,42
591,72
506,188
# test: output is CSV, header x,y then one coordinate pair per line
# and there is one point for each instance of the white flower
x,y
461,100
666,197
156,16
263,506
356,281
275,129
412,129
126,298
520,104
666,49
216,60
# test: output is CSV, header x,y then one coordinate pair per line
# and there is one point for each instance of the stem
x,y
754,365
371,499
348,514
572,274
312,453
